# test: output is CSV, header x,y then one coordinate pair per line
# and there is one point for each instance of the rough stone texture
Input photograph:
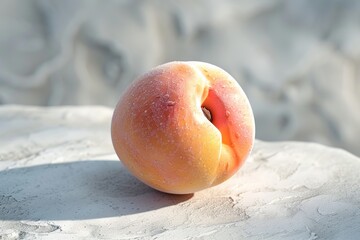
x,y
298,60
60,179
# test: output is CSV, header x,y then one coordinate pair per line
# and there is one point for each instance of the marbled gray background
x,y
297,60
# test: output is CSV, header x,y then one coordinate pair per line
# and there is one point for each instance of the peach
x,y
183,127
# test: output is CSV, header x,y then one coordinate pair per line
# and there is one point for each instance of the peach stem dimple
x,y
207,113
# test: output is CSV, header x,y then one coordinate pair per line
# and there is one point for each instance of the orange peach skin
x,y
162,136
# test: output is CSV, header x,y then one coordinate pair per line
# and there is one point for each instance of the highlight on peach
x,y
183,127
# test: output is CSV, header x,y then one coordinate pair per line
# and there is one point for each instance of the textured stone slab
x,y
60,179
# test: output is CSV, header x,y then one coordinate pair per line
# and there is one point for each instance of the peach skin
x,y
183,127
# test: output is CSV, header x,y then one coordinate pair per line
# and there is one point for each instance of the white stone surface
x,y
60,179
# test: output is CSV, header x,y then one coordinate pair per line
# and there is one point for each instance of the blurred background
x,y
297,60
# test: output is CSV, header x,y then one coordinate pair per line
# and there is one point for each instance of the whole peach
x,y
183,127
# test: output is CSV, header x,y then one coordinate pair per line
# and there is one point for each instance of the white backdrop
x,y
297,60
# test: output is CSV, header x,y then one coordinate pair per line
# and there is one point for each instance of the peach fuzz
x,y
183,127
